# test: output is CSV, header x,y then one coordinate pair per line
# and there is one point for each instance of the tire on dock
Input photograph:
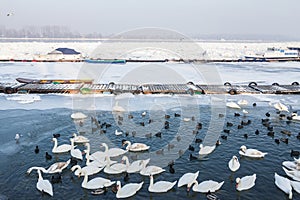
x,y
190,91
227,84
9,90
295,83
232,92
277,84
252,84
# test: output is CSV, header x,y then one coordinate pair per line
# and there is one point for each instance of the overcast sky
x,y
192,17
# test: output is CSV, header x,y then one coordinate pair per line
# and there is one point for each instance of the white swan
x,y
135,166
207,186
115,168
76,153
291,165
245,183
90,170
135,146
281,107
160,186
294,174
44,185
251,152
233,105
95,183
284,184
62,148
78,115
113,152
295,117
128,190
234,164
98,155
99,162
54,168
147,171
118,108
80,138
187,179
243,102
296,186
118,132
204,150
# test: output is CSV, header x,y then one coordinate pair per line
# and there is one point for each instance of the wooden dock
x,y
77,87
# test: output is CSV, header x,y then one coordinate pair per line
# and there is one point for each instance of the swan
x,y
251,152
99,162
115,168
234,164
284,184
243,102
78,115
233,105
187,179
54,168
90,170
245,111
292,165
44,185
118,132
118,108
295,117
160,186
128,190
98,155
281,107
245,183
204,150
62,148
186,119
95,183
294,174
147,171
135,166
113,152
76,153
135,146
296,186
80,138
207,186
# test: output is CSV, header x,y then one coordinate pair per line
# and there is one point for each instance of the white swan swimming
x,y
113,152
207,186
243,102
76,153
116,168
135,166
245,183
186,119
147,171
128,190
61,148
118,132
160,186
98,155
99,161
90,170
294,174
251,152
78,115
44,185
188,179
233,105
204,150
234,164
135,146
95,183
296,186
295,117
284,184
80,138
54,168
281,107
291,165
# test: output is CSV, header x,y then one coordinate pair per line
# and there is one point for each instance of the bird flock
x,y
94,163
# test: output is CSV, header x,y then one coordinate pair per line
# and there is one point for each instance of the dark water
x,y
37,127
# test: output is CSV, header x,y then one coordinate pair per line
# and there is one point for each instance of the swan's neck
x,y
105,146
108,161
290,195
126,161
55,144
151,181
85,180
72,143
40,175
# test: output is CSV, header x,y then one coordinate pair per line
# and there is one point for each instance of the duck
x,y
62,148
78,115
95,183
294,174
44,185
204,150
36,150
116,168
234,164
135,166
118,132
48,156
147,171
160,186
76,153
207,186
135,147
171,168
188,179
80,138
90,170
17,137
128,190
54,168
245,183
251,152
284,184
233,105
56,178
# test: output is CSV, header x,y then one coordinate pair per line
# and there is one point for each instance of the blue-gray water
x,y
37,127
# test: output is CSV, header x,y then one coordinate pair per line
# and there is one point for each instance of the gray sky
x,y
193,17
